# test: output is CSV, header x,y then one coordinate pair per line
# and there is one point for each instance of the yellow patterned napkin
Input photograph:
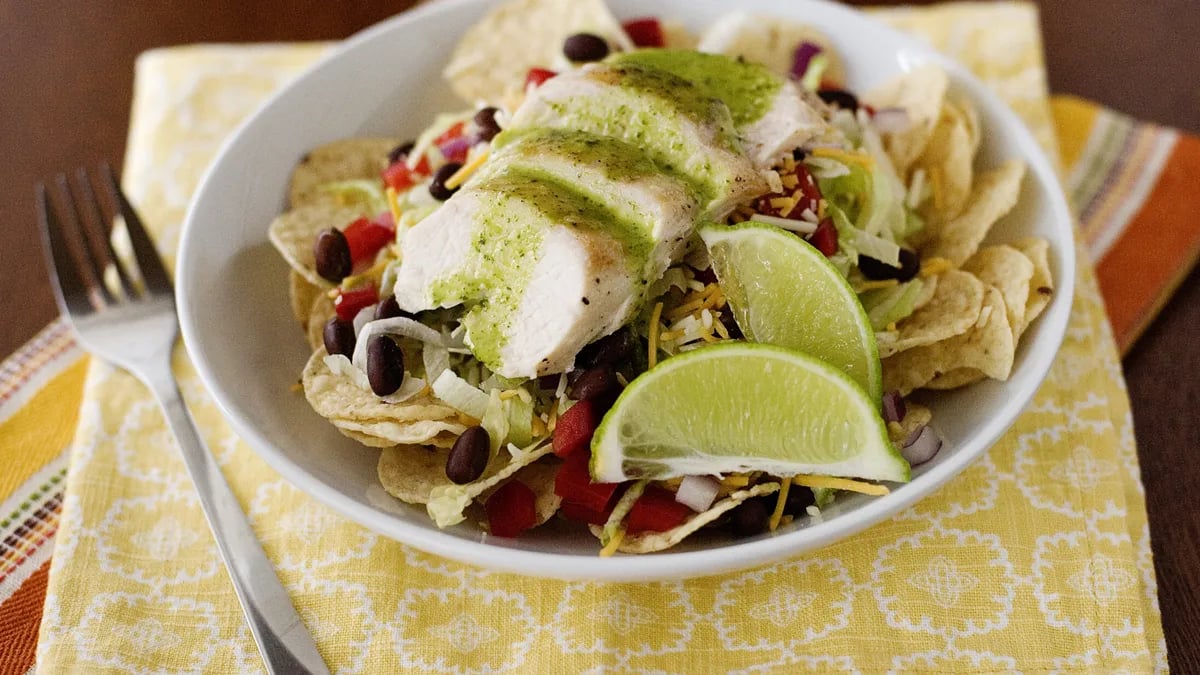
x,y
1037,558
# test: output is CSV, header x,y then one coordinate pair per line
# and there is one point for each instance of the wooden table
x,y
66,73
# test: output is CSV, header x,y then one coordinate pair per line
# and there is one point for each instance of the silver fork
x,y
134,326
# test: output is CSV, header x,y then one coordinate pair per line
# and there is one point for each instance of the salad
x,y
650,284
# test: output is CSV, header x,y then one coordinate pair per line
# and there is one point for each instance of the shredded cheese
x,y
735,481
851,157
848,484
932,266
777,515
721,330
652,346
539,428
393,202
865,286
509,393
891,327
459,177
613,544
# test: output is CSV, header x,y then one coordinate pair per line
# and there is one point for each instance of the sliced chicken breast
x,y
613,173
768,110
677,126
545,268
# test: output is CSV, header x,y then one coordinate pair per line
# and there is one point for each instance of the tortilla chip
x,y
1041,286
928,290
320,312
987,347
952,310
494,55
921,92
770,41
915,417
302,294
954,379
995,194
649,542
294,233
411,473
947,160
349,159
350,408
1010,272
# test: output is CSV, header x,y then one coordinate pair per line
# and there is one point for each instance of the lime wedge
x,y
739,406
784,292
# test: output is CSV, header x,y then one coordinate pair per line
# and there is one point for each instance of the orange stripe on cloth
x,y
41,429
20,617
1157,249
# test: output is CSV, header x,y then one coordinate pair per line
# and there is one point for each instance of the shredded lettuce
x,y
369,193
447,504
519,411
622,508
459,394
815,71
495,421
824,496
888,305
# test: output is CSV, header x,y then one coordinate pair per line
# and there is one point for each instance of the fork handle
x,y
283,640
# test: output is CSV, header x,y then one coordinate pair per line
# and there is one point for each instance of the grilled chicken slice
x,y
610,172
677,126
768,110
545,269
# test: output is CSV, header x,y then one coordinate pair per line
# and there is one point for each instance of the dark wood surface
x,y
66,72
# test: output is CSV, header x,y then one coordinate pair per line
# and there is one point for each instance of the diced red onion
x,y
697,492
804,54
891,120
921,445
456,147
893,407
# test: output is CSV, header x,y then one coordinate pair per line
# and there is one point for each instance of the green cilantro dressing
x,y
747,88
519,205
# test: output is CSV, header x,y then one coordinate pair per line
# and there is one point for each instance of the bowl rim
x,y
668,564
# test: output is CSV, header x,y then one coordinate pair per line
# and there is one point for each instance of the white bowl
x,y
233,298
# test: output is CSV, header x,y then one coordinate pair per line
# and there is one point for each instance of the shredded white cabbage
x,y
460,395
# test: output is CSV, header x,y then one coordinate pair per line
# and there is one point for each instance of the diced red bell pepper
x,y
366,237
399,177
825,238
656,511
645,32
536,76
582,514
511,509
574,429
574,484
348,303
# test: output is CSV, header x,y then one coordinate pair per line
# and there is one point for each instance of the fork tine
x,y
75,221
69,289
88,195
153,273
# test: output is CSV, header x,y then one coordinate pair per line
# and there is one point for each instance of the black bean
x,y
583,47
389,308
798,500
332,254
839,98
611,349
485,119
339,337
385,365
400,152
469,456
438,188
595,383
910,264
751,517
